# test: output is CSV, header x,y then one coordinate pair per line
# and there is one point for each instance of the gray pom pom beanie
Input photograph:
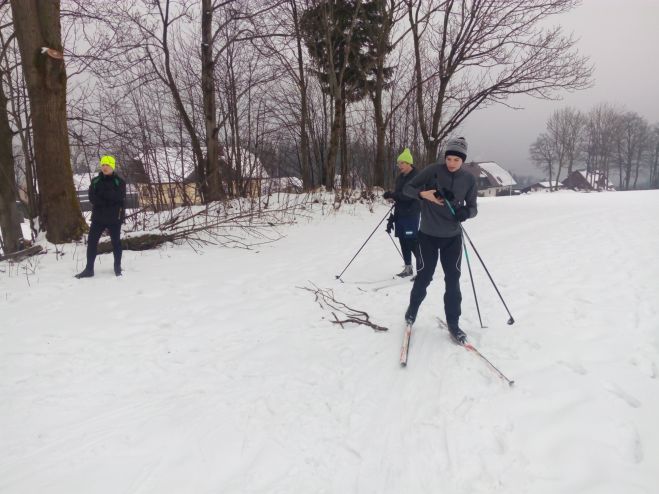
x,y
456,147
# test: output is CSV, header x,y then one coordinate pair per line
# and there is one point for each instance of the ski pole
x,y
511,320
473,285
394,242
464,246
338,276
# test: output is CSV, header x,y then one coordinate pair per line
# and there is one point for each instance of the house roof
x,y
251,166
490,174
501,176
167,164
594,177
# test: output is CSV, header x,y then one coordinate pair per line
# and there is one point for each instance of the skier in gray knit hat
x,y
440,235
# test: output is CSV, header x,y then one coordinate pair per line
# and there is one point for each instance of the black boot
x,y
85,273
117,269
407,271
410,315
456,333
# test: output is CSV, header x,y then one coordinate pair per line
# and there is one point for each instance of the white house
x,y
492,178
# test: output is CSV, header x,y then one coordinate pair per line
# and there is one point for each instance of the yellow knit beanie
x,y
405,156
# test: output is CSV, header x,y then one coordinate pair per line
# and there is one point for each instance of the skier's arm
x,y
418,183
94,196
470,200
401,198
423,186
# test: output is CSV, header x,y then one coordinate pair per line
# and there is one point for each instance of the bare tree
x,y
653,157
565,131
390,12
472,53
631,144
329,35
37,27
543,154
9,219
599,143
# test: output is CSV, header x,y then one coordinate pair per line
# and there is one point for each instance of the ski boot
x,y
85,273
410,316
407,271
456,333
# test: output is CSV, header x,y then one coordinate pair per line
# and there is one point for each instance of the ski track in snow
x,y
213,372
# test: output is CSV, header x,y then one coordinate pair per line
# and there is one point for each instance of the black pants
x,y
95,232
449,252
407,247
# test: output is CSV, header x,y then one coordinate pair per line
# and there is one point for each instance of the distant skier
x,y
107,193
405,219
440,237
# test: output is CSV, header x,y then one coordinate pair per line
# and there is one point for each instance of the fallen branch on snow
x,y
326,300
22,254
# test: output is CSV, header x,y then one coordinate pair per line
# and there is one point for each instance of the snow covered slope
x,y
211,371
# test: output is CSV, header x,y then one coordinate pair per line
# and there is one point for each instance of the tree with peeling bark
x,y
473,53
38,32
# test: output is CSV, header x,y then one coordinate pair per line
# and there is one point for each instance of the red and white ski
x,y
406,345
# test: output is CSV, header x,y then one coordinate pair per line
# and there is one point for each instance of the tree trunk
x,y
37,26
380,129
380,153
9,218
307,181
335,132
380,122
211,179
345,183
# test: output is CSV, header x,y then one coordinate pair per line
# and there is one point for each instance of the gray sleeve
x,y
418,183
470,200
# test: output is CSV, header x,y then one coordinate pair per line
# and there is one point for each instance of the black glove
x,y
390,223
388,195
445,194
462,214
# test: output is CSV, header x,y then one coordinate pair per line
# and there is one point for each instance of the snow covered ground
x,y
212,372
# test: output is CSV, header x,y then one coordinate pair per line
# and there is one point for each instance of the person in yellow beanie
x,y
107,193
405,218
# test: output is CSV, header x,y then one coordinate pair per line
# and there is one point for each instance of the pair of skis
x,y
405,348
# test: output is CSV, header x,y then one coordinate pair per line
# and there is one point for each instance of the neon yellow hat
x,y
108,160
405,156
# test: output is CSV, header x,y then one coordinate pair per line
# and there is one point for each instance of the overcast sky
x,y
622,39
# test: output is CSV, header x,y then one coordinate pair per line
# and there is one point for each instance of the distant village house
x,y
493,180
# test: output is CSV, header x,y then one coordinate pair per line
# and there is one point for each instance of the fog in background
x,y
622,39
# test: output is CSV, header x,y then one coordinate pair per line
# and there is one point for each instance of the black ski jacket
x,y
107,194
405,206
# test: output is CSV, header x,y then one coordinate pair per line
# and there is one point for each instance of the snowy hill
x,y
212,371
